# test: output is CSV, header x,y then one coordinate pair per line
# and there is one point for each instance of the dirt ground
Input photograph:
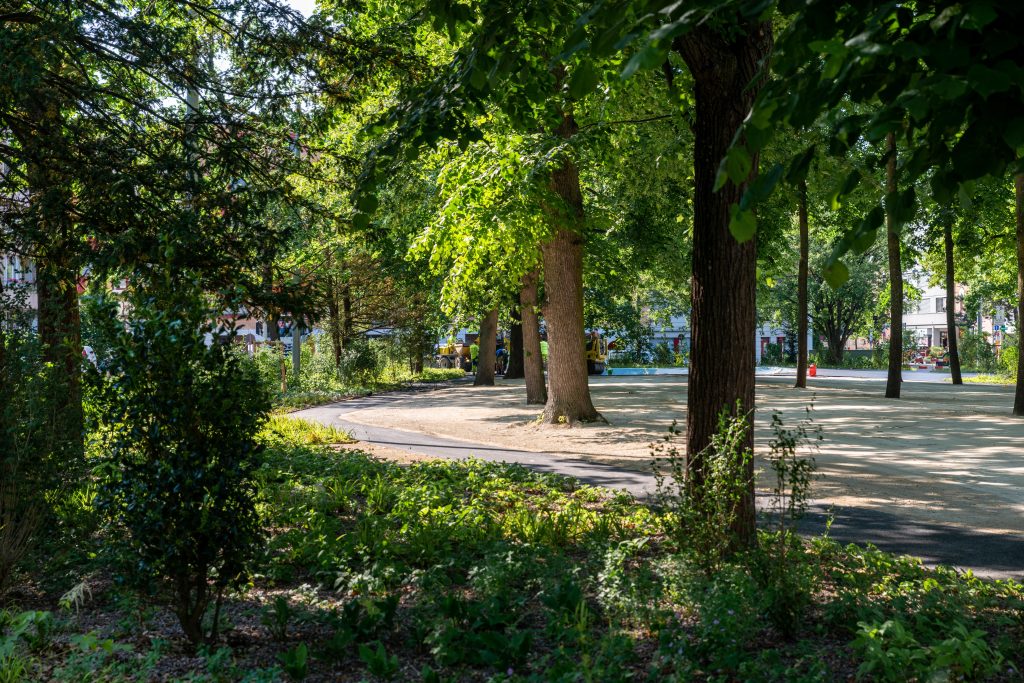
x,y
941,454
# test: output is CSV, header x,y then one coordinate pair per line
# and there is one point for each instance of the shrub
x,y
662,354
772,355
1009,355
35,465
360,362
182,421
976,353
702,513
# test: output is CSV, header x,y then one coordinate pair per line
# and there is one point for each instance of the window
x,y
940,304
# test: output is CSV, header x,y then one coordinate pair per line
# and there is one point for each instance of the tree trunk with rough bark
x,y
514,347
488,347
895,378
346,315
57,273
533,363
801,292
1018,399
951,332
569,391
60,332
727,75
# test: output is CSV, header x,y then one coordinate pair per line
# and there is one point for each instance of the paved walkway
x,y
998,555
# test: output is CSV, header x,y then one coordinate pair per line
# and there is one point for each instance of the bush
x,y
702,514
663,355
35,464
772,355
1008,357
360,363
182,420
976,353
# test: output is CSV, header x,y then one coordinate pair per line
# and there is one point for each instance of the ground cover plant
x,y
367,367
453,571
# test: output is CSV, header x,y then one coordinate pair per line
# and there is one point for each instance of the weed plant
x,y
478,571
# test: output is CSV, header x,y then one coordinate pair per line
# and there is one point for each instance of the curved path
x,y
994,554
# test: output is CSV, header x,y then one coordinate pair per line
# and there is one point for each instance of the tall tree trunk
x,y
801,292
346,315
951,335
334,321
488,348
727,74
533,363
1018,400
60,332
569,394
892,384
514,347
57,273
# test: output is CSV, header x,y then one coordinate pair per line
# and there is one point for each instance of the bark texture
x,y
57,274
569,395
533,363
514,347
1018,399
801,292
488,347
727,74
895,378
951,332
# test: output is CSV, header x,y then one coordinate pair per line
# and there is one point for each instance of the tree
x,y
939,74
100,146
801,307
951,327
895,376
1018,398
727,68
533,363
837,313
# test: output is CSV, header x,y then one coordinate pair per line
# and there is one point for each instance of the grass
x,y
990,379
281,429
300,399
477,571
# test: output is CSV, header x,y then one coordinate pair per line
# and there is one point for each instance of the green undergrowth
x,y
990,379
299,398
477,571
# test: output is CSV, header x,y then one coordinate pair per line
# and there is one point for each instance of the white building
x,y
769,334
926,320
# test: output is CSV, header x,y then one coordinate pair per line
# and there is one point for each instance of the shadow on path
x,y
994,555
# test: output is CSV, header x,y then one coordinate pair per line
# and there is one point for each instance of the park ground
x,y
938,473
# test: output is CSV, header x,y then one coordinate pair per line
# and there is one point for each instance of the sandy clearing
x,y
940,454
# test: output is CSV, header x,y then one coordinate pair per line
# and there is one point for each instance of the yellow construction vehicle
x,y
597,353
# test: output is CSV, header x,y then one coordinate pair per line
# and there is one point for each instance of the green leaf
x,y
761,187
1013,133
478,77
836,274
942,188
367,203
742,224
737,164
863,240
949,88
648,57
987,81
978,15
583,81
902,205
800,165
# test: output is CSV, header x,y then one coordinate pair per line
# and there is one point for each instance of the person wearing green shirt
x,y
544,351
474,353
